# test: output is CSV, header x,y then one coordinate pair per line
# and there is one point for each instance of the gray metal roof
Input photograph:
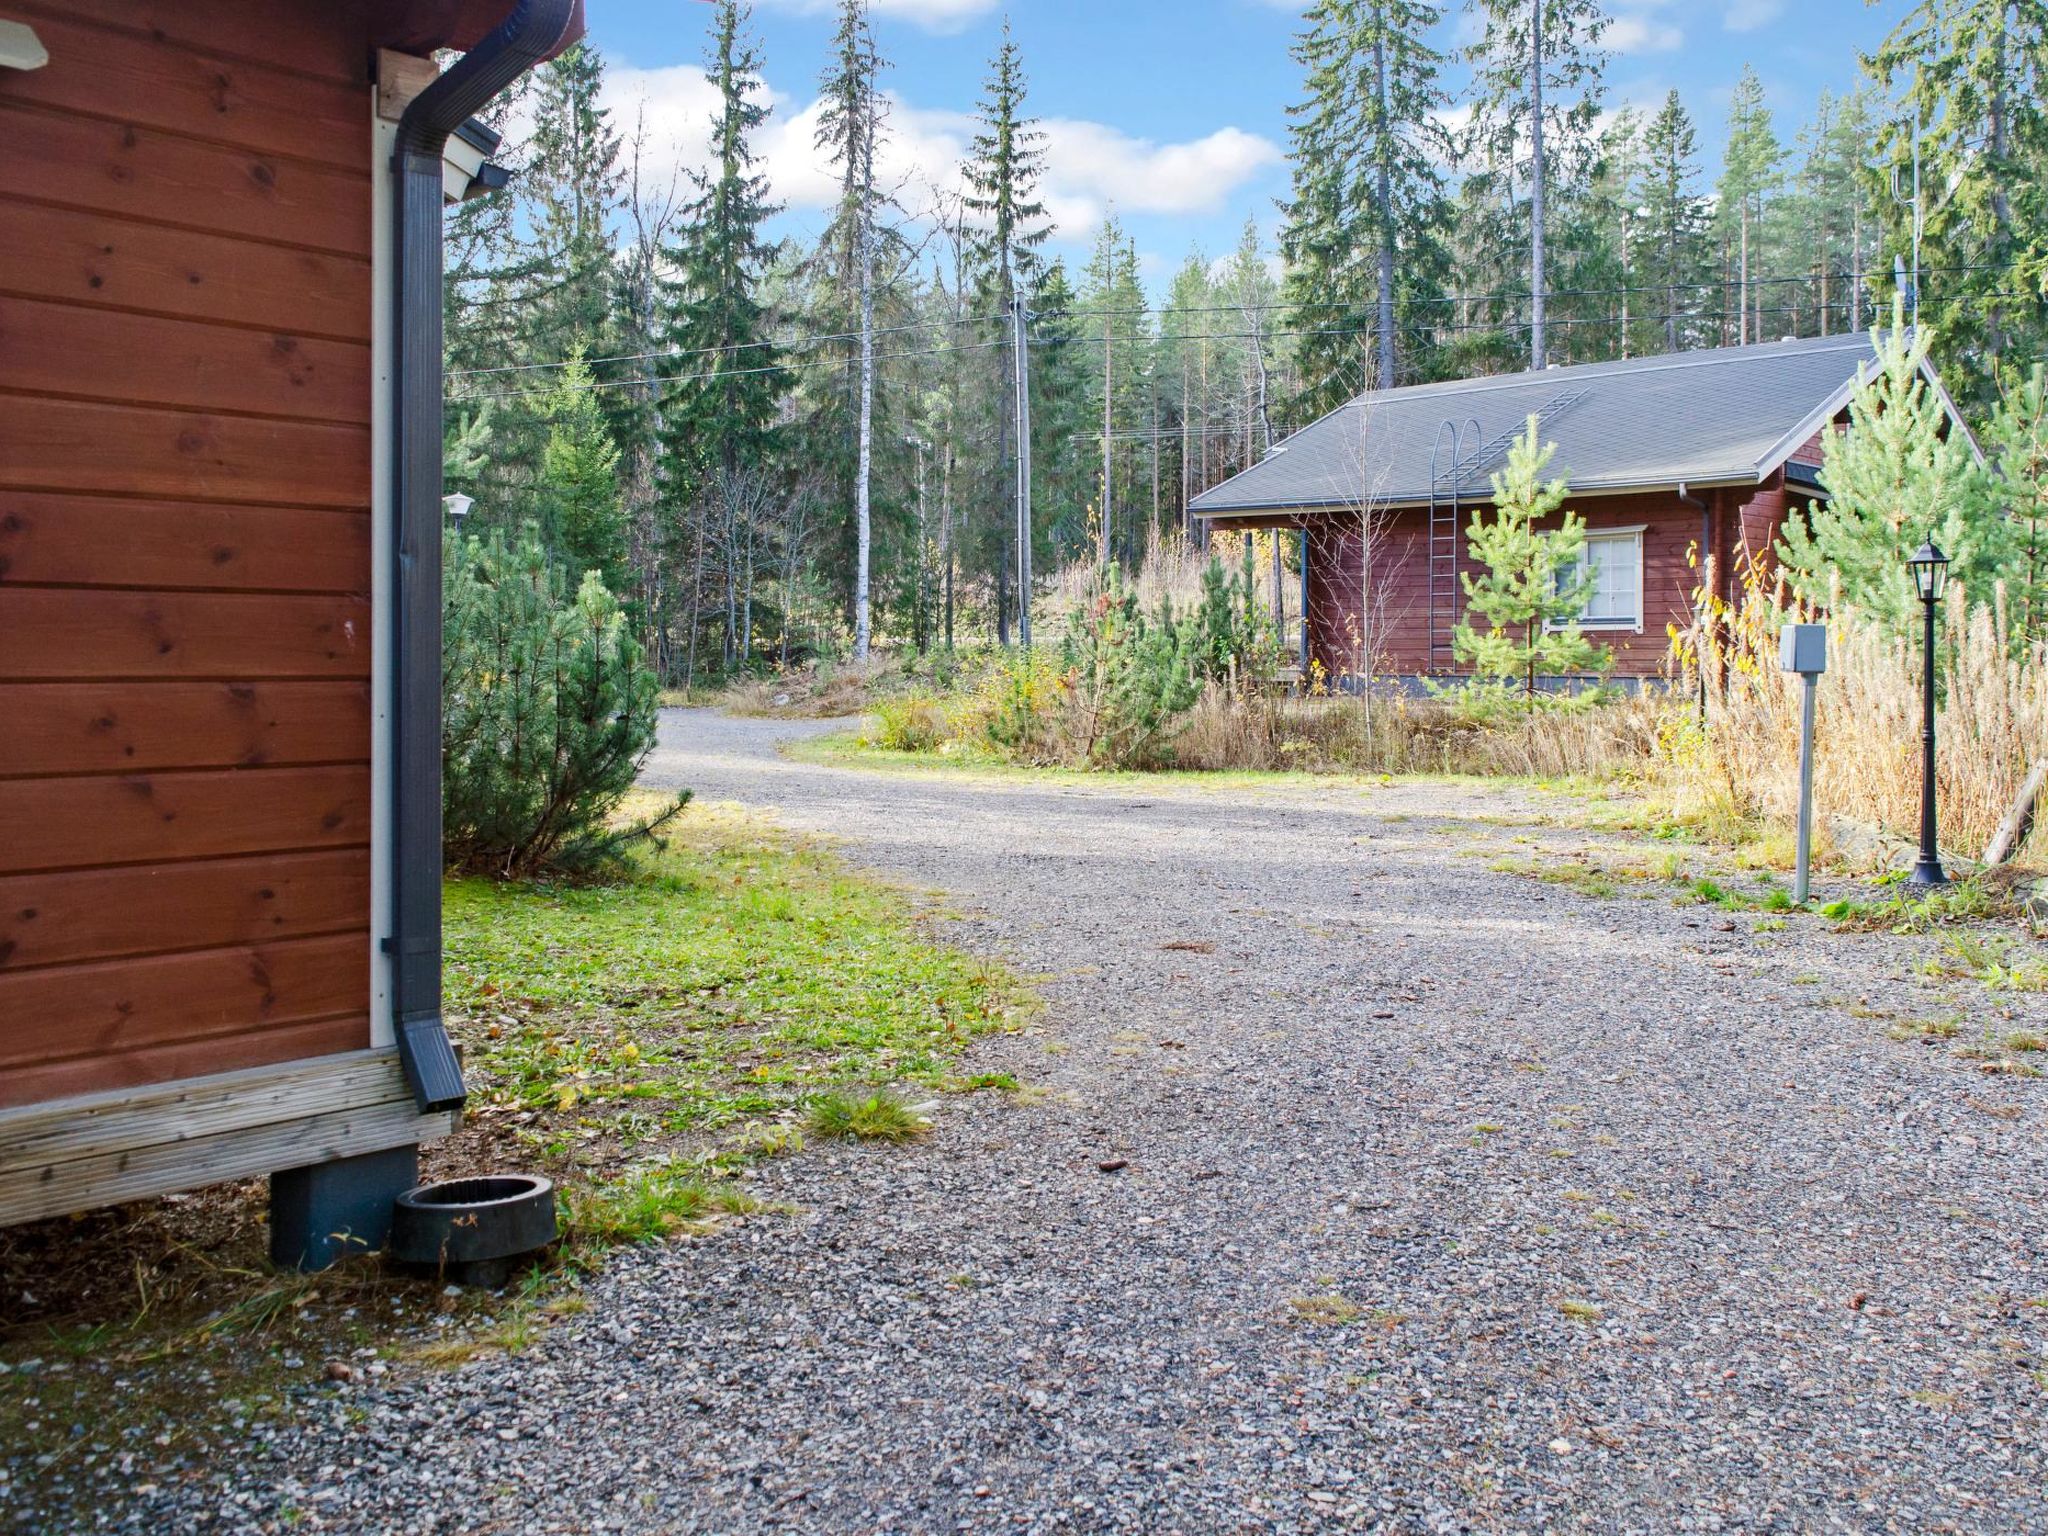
x,y
1722,416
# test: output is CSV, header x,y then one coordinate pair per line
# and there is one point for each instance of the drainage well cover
x,y
467,1221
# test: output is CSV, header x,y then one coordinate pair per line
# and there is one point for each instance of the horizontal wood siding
x,y
85,914
67,540
109,727
184,541
82,256
48,348
1401,596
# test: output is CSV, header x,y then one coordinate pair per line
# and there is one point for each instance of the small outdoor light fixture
x,y
1930,576
20,48
457,506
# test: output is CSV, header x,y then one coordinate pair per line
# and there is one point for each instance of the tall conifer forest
x,y
775,449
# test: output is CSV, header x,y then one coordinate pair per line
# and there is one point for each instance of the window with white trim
x,y
1616,558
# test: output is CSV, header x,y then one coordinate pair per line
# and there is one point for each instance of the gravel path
x,y
1441,1200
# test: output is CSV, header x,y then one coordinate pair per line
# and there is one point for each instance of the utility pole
x,y
1108,399
918,626
1020,319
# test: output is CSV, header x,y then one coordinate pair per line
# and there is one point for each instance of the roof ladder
x,y
1446,480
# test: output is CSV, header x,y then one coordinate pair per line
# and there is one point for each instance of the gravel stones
x,y
1634,1227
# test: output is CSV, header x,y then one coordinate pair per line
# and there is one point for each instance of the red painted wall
x,y
1340,622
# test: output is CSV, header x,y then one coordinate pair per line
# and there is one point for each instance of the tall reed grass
x,y
1737,746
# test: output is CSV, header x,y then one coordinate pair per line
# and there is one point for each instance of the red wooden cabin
x,y
1679,466
220,451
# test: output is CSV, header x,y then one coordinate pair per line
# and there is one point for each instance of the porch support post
x,y
327,1212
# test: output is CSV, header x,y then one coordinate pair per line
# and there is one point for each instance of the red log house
x,y
1680,466
220,443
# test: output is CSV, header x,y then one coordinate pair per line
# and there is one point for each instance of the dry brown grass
x,y
1172,569
1993,721
1402,735
821,691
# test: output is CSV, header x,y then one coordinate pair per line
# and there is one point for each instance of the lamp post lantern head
x,y
457,506
1930,571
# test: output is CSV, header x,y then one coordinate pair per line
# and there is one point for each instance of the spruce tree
x,y
850,131
1113,299
1751,169
1184,365
579,480
573,187
1004,162
719,412
1064,471
1534,587
2016,445
1674,254
1901,474
1368,201
1536,83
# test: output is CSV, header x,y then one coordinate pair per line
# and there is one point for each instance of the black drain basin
x,y
474,1230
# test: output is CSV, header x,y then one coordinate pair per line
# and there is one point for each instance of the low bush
x,y
913,723
549,710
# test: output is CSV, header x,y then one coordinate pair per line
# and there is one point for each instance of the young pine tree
x,y
1534,587
1899,475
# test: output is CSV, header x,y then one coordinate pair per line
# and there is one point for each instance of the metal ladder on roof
x,y
1446,534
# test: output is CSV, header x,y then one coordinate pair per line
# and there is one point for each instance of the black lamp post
x,y
1930,574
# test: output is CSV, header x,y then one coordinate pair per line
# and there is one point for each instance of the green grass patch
x,y
728,979
1904,910
878,1117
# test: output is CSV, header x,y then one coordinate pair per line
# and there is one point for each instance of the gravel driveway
x,y
1361,1187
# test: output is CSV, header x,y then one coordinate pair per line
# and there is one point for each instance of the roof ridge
x,y
1665,362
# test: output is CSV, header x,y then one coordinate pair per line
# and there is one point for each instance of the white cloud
x,y
1088,165
1748,15
1631,34
932,15
1093,162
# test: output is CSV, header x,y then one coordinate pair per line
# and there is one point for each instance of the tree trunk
x,y
946,537
1742,282
1108,422
863,523
1386,203
1539,350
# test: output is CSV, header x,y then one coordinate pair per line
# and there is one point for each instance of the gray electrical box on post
x,y
1803,649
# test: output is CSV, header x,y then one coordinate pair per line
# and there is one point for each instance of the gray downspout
x,y
531,33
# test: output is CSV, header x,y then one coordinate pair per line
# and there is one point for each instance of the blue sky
x,y
1171,111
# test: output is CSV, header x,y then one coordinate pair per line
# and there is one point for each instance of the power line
x,y
1364,309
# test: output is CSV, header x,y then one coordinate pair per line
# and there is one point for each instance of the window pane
x,y
1616,565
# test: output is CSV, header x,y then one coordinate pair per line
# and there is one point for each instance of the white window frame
x,y
1622,625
